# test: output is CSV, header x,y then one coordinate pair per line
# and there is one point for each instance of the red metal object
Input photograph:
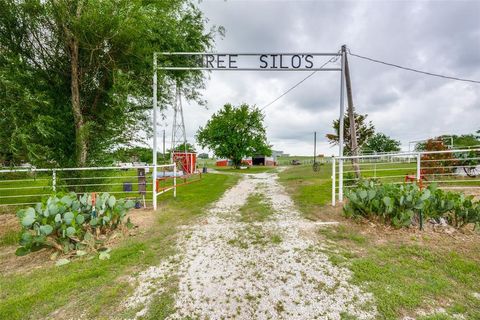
x,y
413,178
247,162
187,161
222,163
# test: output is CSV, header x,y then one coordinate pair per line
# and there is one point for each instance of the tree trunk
x,y
80,134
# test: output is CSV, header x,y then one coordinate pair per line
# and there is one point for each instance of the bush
x,y
403,205
66,222
437,163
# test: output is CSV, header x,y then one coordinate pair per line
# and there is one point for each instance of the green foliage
x,y
380,142
458,141
365,130
235,132
402,205
188,147
66,222
93,284
469,159
107,46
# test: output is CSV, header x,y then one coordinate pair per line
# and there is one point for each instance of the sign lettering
x,y
251,61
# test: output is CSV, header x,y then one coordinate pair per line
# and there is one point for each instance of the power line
x,y
413,70
297,84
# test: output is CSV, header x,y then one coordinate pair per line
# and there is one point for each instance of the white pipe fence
x,y
27,186
450,169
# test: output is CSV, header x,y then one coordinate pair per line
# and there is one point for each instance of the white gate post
x,y
340,180
154,180
333,181
54,180
174,180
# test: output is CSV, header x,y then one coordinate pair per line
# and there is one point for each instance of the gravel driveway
x,y
228,269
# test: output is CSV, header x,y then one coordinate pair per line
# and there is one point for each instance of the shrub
x,y
403,205
437,163
65,221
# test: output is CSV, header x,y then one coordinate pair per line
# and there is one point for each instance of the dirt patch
x,y
142,220
8,223
435,237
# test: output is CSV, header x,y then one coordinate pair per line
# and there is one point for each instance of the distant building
x,y
262,160
228,163
279,154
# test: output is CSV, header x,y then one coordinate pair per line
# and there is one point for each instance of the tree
x,y
433,163
380,142
364,131
188,147
234,133
75,75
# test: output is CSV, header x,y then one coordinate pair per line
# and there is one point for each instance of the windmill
x,y
179,154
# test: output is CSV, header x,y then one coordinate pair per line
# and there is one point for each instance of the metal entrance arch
x,y
247,61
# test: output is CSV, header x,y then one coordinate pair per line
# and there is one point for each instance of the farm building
x,y
227,162
262,160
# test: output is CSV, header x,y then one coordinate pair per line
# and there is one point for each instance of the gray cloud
x,y
442,37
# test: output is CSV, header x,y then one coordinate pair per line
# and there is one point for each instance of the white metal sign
x,y
244,61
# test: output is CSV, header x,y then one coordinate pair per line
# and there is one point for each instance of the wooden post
x,y
351,117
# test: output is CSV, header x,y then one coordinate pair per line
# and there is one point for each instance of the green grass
x,y
310,190
11,237
94,287
39,186
253,169
405,278
255,209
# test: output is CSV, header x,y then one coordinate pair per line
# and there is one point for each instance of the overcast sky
x,y
438,36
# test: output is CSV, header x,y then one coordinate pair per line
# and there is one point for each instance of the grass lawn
x,y
407,271
310,190
253,169
97,288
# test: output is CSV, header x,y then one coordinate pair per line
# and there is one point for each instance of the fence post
x,y
174,180
154,186
340,180
418,167
54,180
333,181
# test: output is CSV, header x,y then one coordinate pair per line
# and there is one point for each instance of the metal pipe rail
x,y
444,171
28,190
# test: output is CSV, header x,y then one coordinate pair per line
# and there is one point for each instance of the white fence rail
x,y
27,186
450,169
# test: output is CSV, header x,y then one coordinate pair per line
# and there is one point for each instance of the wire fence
x,y
449,169
27,186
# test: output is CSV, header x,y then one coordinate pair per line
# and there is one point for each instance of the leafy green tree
x,y
365,131
188,147
380,142
464,140
75,75
234,133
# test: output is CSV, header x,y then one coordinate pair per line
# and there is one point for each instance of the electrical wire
x,y
298,83
413,70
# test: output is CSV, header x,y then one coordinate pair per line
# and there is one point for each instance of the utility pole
x,y
316,165
351,116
